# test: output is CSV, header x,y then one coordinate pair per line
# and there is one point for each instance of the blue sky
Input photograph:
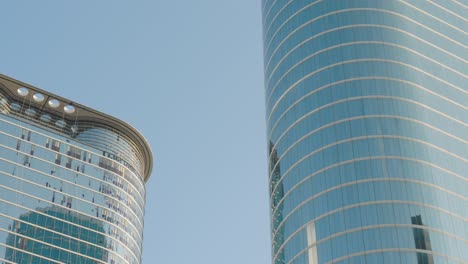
x,y
189,76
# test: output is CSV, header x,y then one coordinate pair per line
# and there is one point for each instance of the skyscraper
x,y
72,181
367,111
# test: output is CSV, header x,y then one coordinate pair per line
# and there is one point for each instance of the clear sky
x,y
189,76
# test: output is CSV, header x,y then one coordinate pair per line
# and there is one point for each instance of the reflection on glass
x,y
277,195
311,243
62,240
422,241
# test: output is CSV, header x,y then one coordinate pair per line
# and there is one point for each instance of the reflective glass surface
x,y
67,197
367,123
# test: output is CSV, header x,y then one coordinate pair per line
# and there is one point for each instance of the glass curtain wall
x,y
68,193
367,125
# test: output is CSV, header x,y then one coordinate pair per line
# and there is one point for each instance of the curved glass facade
x,y
72,190
367,128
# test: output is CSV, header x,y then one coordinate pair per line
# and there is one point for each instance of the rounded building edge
x,y
10,86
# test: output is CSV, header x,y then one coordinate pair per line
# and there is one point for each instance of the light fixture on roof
x,y
38,97
22,91
69,109
15,106
60,123
54,103
45,118
30,112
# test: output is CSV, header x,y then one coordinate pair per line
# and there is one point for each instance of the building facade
x,y
72,181
367,123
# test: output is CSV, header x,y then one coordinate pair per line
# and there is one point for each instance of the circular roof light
x,y
15,106
60,124
38,97
69,109
54,103
22,91
30,112
45,118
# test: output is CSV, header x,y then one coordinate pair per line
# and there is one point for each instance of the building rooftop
x,y
70,113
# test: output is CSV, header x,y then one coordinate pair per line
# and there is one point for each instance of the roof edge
x,y
83,113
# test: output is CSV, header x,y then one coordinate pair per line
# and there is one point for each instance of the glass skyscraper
x,y
367,111
72,181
